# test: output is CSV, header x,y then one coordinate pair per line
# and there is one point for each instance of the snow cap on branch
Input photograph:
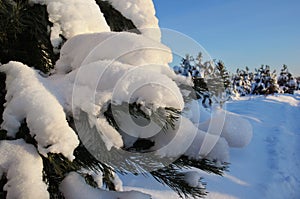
x,y
142,14
28,98
127,48
74,187
69,18
23,167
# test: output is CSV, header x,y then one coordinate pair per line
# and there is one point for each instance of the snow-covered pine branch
x,y
23,168
74,187
28,98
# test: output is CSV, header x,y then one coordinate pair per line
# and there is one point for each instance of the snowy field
x,y
269,167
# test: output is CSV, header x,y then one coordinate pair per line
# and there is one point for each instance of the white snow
x,y
196,112
268,167
284,99
74,187
193,178
236,130
142,14
69,18
175,142
27,97
215,148
125,47
23,167
117,182
203,145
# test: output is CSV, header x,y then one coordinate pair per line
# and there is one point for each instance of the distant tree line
x,y
213,83
263,81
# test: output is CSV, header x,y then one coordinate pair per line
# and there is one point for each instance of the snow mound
x,y
142,14
187,139
219,152
175,142
74,187
127,48
284,99
23,171
196,112
27,97
236,130
209,146
69,18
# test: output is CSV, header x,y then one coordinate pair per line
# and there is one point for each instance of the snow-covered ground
x,y
269,167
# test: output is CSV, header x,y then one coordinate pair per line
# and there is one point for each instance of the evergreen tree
x,y
195,69
286,81
211,80
25,26
223,74
298,83
242,81
265,81
225,84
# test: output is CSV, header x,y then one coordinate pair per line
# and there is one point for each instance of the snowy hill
x,y
269,167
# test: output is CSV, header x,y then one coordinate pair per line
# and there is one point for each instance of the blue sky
x,y
239,32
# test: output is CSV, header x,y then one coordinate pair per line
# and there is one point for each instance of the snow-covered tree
x,y
197,71
242,82
260,82
211,79
286,81
298,83
264,81
84,103
223,89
